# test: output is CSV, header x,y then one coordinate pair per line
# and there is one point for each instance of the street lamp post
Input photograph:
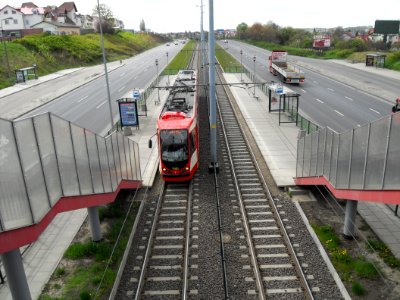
x,y
158,90
254,75
167,71
241,65
5,47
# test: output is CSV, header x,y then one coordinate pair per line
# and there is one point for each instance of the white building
x,y
11,19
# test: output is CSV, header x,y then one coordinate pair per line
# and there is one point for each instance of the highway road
x,y
87,106
327,102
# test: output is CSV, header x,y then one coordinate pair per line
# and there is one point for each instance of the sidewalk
x,y
42,257
278,145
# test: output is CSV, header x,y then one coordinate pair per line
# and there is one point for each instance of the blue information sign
x,y
128,113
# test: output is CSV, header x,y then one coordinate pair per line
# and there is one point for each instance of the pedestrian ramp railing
x,y
365,158
45,158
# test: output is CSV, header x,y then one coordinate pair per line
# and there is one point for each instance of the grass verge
x,y
181,60
84,265
352,269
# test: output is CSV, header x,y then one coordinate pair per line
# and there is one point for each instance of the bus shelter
x,y
375,59
24,74
284,101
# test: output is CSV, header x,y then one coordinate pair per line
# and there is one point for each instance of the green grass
x,y
383,252
181,60
83,281
358,289
349,268
227,61
52,53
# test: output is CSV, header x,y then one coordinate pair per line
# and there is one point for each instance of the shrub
x,y
358,289
365,269
84,296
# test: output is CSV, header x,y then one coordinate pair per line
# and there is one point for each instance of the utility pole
x,y
158,90
213,103
254,75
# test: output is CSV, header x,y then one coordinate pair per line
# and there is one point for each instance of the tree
x,y
142,25
241,30
107,18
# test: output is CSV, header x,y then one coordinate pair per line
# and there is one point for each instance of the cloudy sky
x,y
184,15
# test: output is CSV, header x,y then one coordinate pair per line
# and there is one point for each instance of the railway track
x,y
165,265
274,267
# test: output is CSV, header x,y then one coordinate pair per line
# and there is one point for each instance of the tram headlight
x,y
187,169
164,169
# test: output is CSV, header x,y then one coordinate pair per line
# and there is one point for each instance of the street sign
x,y
136,95
128,113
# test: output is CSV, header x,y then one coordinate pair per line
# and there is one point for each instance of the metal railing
x,y
365,158
45,157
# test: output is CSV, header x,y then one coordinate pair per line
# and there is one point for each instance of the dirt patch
x,y
325,211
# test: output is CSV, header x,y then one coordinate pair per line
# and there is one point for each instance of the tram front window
x,y
174,148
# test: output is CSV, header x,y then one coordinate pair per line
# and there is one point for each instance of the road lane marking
x,y
80,100
339,113
315,82
332,90
320,101
121,89
123,74
375,111
304,91
348,98
101,104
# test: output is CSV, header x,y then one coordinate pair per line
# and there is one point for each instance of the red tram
x,y
178,131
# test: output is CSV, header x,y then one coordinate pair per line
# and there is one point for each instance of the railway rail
x,y
276,269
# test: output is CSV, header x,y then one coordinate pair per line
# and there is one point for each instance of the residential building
x,y
11,20
32,14
58,28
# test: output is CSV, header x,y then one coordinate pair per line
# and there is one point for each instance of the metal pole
x,y
254,76
241,65
350,219
94,222
105,66
16,276
213,104
167,71
157,81
203,50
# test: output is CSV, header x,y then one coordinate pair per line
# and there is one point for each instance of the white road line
x,y
135,77
348,98
332,90
304,91
80,100
358,125
375,111
331,129
121,89
123,74
320,101
315,82
339,113
101,104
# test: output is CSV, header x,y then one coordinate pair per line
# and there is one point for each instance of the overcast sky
x,y
184,15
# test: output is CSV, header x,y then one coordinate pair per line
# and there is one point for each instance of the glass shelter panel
x,y
14,205
65,156
343,164
111,163
377,149
359,150
321,151
32,168
300,162
105,170
327,155
392,176
94,162
48,155
82,159
334,158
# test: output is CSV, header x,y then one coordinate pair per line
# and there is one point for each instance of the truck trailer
x,y
279,66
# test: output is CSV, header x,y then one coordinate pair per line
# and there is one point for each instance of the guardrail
x,y
45,157
365,158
